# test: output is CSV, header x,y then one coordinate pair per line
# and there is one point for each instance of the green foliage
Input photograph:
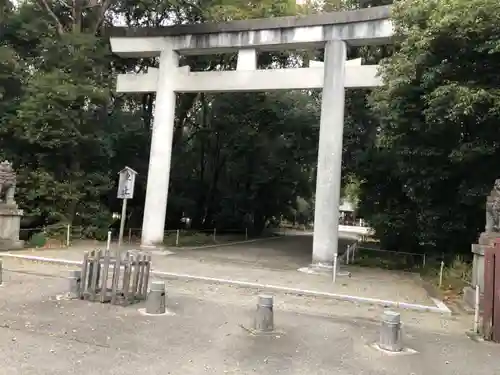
x,y
352,189
238,160
60,120
226,10
419,164
250,156
38,240
434,158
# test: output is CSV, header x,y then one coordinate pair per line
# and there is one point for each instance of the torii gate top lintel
x,y
366,26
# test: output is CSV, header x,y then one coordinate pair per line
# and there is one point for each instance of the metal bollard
x,y
264,320
390,332
156,301
74,283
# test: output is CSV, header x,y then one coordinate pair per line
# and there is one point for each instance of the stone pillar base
x,y
11,245
10,224
324,270
486,239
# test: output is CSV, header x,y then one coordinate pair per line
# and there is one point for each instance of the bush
x,y
38,240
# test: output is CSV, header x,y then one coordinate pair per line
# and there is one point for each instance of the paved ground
x,y
44,334
276,262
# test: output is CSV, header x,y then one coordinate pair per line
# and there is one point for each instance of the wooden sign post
x,y
125,191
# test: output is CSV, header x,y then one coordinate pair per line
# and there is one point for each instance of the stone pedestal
x,y
486,239
489,238
10,224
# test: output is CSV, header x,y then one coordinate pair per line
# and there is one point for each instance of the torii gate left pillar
x,y
155,207
328,176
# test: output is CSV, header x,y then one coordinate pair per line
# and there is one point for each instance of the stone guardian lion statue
x,y
493,209
7,183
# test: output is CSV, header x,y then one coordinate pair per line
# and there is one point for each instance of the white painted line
x,y
313,293
441,305
34,258
161,252
228,243
245,284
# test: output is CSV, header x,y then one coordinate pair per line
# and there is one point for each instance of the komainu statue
x,y
7,183
493,209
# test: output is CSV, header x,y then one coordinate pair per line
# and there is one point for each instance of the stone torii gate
x,y
333,31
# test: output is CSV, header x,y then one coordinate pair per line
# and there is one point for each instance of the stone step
x,y
6,244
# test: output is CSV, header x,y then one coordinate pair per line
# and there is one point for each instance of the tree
x,y
435,157
239,160
251,155
11,77
68,134
55,136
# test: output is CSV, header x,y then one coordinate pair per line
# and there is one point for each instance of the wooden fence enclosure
x,y
491,309
120,278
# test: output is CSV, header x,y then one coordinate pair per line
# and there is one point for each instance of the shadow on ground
x,y
275,262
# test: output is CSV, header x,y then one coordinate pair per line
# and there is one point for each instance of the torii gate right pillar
x,y
328,180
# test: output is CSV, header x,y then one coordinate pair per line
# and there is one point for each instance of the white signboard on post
x,y
126,183
125,191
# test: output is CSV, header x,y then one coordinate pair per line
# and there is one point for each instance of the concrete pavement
x,y
45,334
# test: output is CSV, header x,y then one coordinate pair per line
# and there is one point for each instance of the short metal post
x,y
129,235
246,234
108,243
156,301
424,260
334,269
348,254
264,319
1,271
68,234
177,237
390,332
441,271
74,283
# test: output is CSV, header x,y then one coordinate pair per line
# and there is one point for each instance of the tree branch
x,y
102,13
59,25
65,4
